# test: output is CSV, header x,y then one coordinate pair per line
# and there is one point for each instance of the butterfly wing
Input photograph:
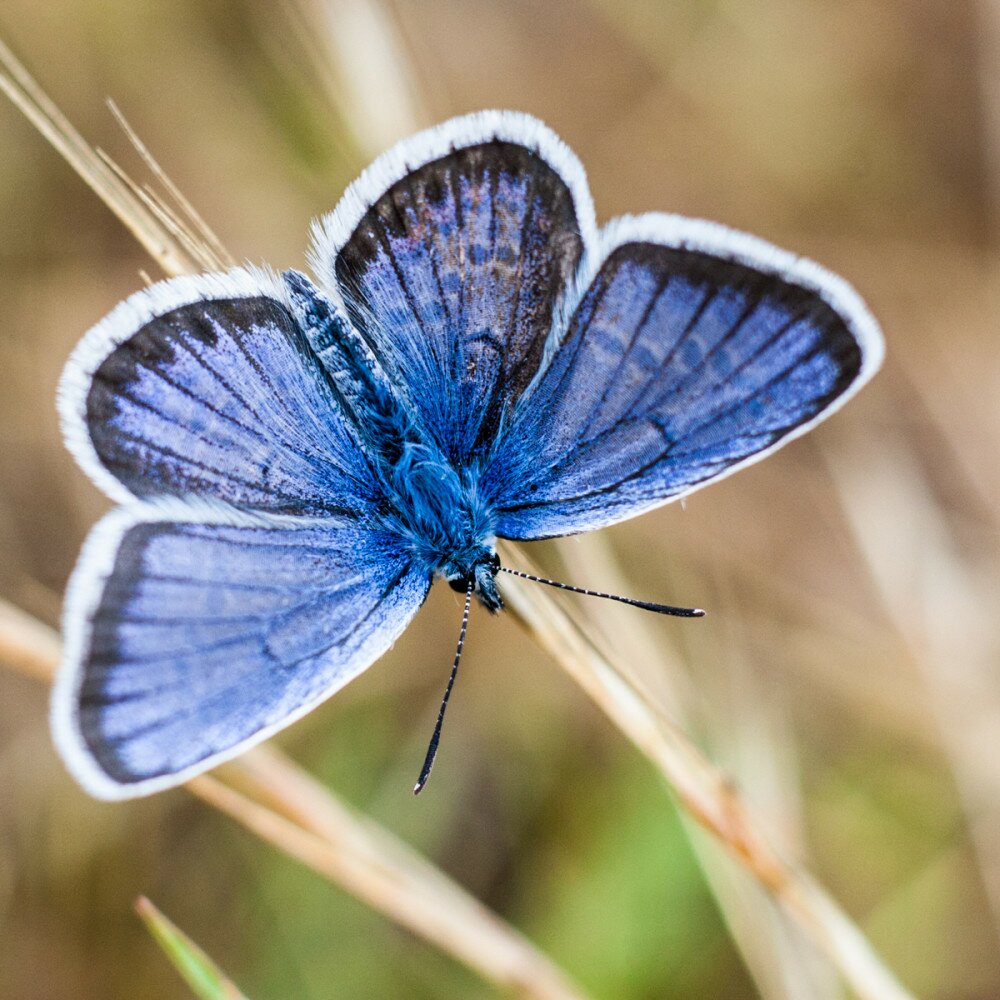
x,y
207,386
693,351
193,632
451,252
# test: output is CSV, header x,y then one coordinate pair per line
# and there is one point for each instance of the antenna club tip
x,y
418,787
697,612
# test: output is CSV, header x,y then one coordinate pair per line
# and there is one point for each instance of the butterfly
x,y
296,462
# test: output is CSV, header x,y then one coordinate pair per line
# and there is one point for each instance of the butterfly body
x,y
430,502
295,461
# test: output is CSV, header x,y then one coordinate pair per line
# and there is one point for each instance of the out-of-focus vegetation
x,y
849,673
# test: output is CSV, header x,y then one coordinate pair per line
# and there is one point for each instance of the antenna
x,y
660,609
432,749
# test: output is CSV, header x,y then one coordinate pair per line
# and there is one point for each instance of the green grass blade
x,y
198,970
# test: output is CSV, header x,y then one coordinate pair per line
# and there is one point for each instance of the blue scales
x,y
295,462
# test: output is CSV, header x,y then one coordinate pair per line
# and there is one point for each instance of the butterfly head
x,y
482,574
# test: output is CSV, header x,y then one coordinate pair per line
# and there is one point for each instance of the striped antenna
x,y
432,749
660,609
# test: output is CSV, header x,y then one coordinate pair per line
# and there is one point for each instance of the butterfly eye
x,y
494,564
459,584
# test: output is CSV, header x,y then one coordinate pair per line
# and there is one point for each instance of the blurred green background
x,y
848,676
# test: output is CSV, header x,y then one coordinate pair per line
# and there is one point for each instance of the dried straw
x,y
284,806
700,788
703,790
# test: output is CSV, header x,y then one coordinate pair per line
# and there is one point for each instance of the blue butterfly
x,y
295,463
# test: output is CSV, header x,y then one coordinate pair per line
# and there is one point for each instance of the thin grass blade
x,y
205,978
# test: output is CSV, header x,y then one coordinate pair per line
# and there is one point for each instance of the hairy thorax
x,y
433,503
438,509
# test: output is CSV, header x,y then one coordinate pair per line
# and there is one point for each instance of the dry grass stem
x,y
22,89
335,844
357,51
27,645
198,251
703,790
380,869
935,601
291,811
756,742
700,787
221,258
467,931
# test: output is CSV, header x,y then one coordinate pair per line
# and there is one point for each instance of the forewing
x,y
693,351
206,385
452,252
194,632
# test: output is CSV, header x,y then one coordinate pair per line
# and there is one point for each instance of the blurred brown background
x,y
849,673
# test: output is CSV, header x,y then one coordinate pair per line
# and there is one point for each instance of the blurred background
x,y
848,675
